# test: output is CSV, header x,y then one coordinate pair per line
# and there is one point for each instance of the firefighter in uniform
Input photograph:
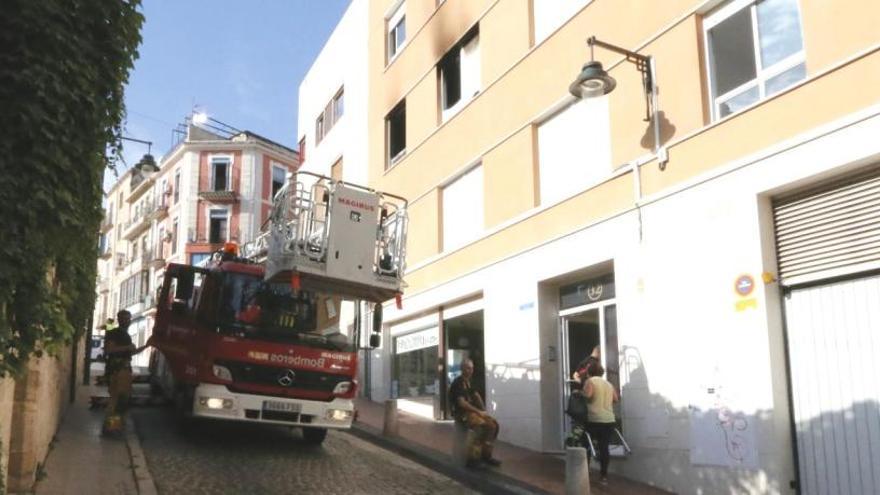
x,y
469,409
118,349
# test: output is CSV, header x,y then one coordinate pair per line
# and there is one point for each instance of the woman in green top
x,y
601,397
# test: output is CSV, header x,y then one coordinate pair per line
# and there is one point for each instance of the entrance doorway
x,y
583,329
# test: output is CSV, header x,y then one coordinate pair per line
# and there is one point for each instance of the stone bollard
x,y
390,427
459,444
577,471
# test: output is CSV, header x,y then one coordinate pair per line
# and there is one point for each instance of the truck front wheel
x,y
314,436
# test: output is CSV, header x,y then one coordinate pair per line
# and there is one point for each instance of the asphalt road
x,y
232,458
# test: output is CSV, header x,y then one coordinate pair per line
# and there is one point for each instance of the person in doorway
x,y
580,372
601,397
468,408
118,350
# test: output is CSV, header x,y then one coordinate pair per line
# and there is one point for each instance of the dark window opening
x,y
217,227
396,124
220,176
450,77
278,176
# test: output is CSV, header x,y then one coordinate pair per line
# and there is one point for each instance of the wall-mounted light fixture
x,y
594,81
147,164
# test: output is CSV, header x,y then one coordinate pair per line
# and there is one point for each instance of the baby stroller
x,y
577,412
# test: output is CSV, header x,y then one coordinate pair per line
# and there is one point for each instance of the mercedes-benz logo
x,y
286,379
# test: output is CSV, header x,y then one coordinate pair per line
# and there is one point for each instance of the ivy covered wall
x,y
63,68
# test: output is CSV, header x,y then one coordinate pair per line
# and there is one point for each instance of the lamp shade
x,y
147,164
592,81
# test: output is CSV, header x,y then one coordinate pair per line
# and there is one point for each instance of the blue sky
x,y
241,62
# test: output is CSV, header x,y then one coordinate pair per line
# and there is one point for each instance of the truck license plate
x,y
270,405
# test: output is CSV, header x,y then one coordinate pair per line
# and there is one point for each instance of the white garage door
x,y
834,347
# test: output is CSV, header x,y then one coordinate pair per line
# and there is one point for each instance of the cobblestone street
x,y
223,457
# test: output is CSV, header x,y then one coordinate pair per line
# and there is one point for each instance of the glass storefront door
x,y
583,330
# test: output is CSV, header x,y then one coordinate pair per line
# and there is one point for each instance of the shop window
x,y
574,149
754,50
396,26
459,73
395,125
463,218
415,364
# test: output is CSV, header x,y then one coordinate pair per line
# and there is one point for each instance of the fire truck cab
x,y
258,337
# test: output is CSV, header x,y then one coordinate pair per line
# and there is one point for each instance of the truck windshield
x,y
252,308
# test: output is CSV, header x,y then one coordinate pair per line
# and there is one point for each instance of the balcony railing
x,y
153,257
138,184
140,221
160,211
105,253
219,196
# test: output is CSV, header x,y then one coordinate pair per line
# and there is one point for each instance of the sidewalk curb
x,y
483,480
142,476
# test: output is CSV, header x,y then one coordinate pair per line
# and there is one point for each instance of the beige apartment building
x,y
215,185
728,270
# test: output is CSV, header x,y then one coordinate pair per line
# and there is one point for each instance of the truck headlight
x,y
342,388
222,372
338,414
215,403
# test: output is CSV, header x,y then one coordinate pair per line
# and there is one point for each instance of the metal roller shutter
x,y
829,232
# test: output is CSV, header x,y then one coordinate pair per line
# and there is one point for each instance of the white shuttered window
x,y
574,149
463,208
550,14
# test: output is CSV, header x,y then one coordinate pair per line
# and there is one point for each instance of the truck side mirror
x,y
377,317
375,340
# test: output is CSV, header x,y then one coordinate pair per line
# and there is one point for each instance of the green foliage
x,y
63,68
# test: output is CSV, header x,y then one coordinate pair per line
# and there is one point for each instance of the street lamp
x,y
147,163
594,81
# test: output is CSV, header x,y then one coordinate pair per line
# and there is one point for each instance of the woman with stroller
x,y
601,397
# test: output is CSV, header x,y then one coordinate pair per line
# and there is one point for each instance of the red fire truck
x,y
258,337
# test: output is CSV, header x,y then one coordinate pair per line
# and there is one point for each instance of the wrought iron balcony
x,y
219,196
154,258
140,221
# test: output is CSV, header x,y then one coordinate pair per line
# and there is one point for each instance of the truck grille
x,y
281,377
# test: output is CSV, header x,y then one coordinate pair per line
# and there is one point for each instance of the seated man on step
x,y
469,409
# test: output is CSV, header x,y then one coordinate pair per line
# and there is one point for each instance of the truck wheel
x,y
314,436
